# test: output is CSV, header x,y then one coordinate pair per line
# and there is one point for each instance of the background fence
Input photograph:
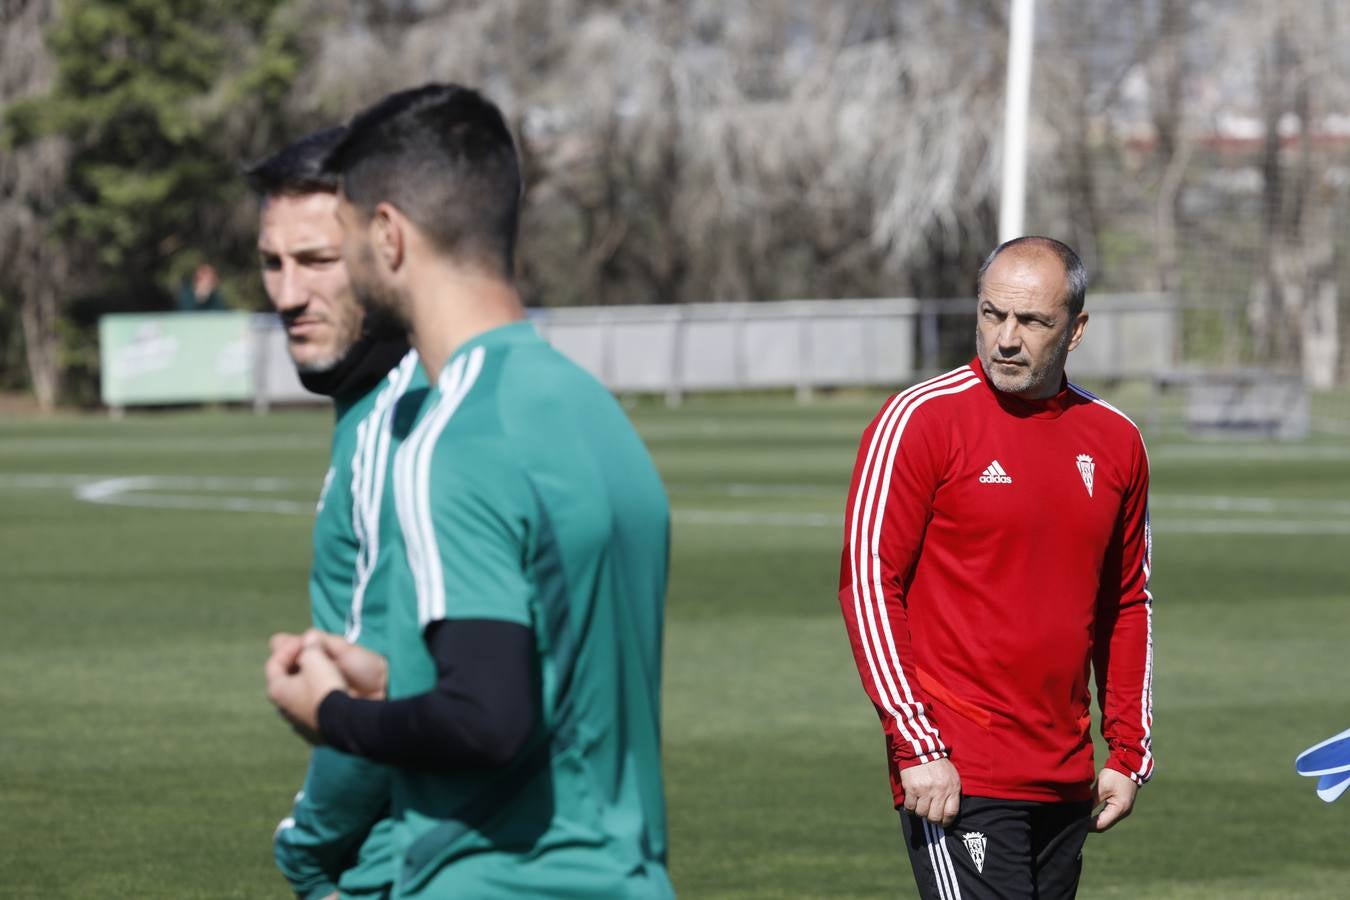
x,y
809,344
165,358
673,350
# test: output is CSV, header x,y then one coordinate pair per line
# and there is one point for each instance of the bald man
x,y
996,550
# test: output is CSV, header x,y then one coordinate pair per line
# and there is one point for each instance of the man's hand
x,y
299,675
933,791
1112,798
365,671
285,648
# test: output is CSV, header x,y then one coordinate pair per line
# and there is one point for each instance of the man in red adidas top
x,y
997,550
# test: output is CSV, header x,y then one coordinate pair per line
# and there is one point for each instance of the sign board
x,y
182,357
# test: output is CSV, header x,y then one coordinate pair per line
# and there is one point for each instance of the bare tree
x,y
704,151
35,271
1293,305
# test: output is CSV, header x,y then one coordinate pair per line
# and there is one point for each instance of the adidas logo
x,y
995,475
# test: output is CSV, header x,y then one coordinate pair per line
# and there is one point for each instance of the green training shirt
x,y
523,494
338,833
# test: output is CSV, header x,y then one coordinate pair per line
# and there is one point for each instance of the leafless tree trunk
x,y
34,269
1166,72
706,151
1293,306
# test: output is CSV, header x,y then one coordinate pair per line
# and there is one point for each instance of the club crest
x,y
975,844
1085,468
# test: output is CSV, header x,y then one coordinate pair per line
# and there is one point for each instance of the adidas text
x,y
994,474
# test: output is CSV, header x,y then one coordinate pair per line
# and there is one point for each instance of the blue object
x,y
1327,758
1329,787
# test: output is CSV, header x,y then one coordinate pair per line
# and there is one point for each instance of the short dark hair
x,y
443,155
1074,270
297,168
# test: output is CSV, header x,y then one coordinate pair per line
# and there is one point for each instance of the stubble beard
x,y
327,362
347,331
385,319
1033,380
384,308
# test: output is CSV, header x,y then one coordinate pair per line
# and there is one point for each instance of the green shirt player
x,y
521,698
337,836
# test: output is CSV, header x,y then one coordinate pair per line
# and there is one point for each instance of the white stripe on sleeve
x,y
418,527
868,599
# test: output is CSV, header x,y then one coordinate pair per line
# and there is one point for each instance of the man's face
x,y
300,250
380,300
1024,330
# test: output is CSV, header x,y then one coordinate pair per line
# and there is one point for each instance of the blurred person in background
x,y
201,292
997,548
337,835
520,698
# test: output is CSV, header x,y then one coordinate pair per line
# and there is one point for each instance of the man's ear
x,y
389,236
1076,329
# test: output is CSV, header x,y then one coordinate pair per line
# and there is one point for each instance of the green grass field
x,y
146,561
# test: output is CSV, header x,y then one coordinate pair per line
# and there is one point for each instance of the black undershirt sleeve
x,y
480,713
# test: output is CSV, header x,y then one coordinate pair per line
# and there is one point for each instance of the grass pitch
x,y
146,561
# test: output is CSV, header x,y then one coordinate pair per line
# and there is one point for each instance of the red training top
x,y
994,549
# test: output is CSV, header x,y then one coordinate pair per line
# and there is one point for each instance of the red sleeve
x,y
897,471
1123,649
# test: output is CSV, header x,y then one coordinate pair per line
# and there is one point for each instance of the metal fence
x,y
802,346
809,344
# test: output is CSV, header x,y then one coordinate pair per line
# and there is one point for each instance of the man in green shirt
x,y
337,836
521,699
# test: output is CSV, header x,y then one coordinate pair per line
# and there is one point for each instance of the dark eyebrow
x,y
1021,317
315,250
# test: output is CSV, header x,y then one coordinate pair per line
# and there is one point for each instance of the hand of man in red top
x,y
1113,795
933,791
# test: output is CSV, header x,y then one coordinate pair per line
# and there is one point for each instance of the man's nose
x,y
291,290
1009,335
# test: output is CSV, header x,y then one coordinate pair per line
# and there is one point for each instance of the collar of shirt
x,y
521,332
1048,408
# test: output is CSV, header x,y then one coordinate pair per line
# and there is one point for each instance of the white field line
x,y
147,491
43,482
131,491
1269,505
147,444
739,489
740,517
158,445
765,429
1268,527
204,503
1252,452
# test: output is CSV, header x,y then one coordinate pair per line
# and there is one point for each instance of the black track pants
x,y
1004,849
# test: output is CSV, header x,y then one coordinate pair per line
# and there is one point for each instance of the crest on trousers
x,y
1085,468
975,843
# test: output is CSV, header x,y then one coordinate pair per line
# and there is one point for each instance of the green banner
x,y
183,357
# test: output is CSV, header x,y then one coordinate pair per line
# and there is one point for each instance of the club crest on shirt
x,y
975,845
1085,468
